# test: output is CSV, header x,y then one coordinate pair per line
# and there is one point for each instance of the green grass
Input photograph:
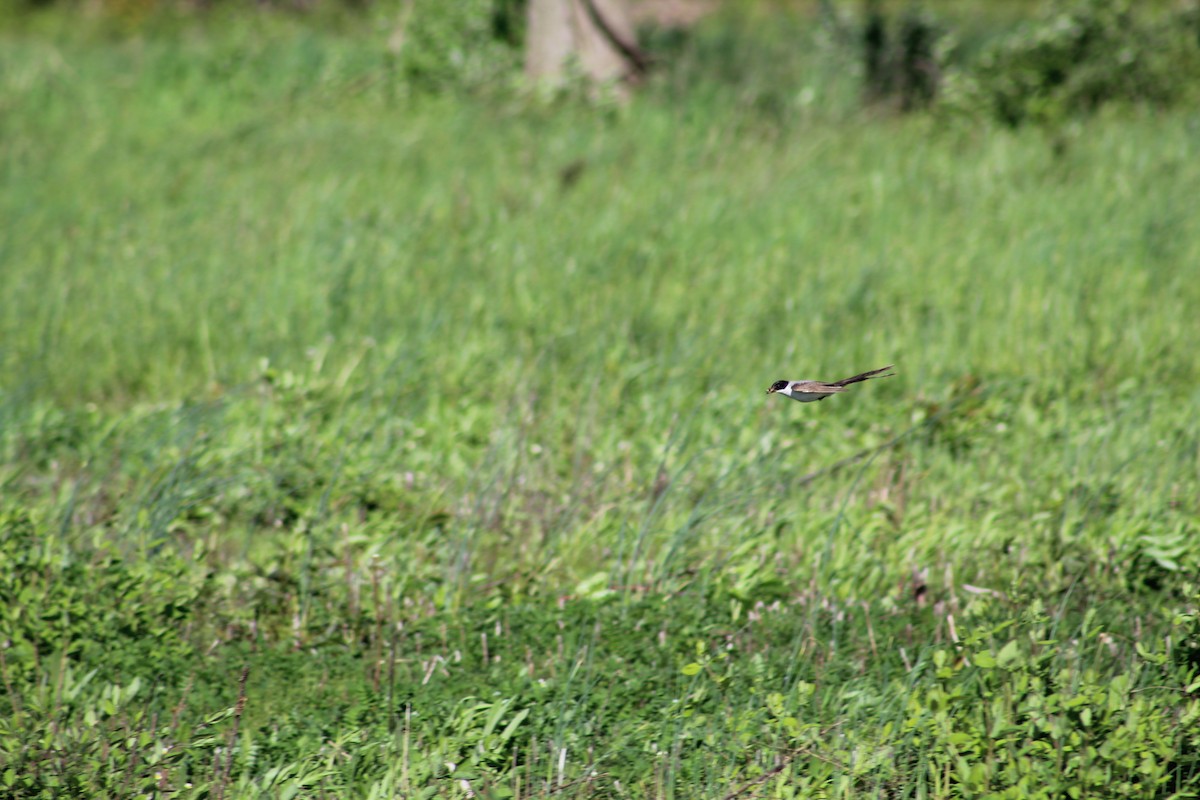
x,y
444,418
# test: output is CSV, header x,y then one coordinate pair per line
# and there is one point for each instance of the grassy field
x,y
359,443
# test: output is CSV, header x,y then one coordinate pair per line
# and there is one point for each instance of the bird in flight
x,y
808,391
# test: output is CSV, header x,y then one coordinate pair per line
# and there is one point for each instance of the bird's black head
x,y
777,386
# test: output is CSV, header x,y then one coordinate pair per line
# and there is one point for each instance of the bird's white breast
x,y
801,397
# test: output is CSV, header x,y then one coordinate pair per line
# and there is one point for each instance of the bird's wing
x,y
875,373
816,387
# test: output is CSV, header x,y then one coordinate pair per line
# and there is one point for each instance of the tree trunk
x,y
596,34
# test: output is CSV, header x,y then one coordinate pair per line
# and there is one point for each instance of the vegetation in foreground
x,y
365,444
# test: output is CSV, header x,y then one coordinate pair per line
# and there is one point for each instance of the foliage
x,y
463,45
1080,56
360,444
56,607
905,65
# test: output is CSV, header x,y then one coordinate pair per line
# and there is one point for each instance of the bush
x,y
465,44
904,68
1079,58
102,613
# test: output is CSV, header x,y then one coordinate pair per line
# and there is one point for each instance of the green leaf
x,y
692,669
1009,655
511,727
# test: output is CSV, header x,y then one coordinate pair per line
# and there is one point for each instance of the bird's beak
x,y
770,390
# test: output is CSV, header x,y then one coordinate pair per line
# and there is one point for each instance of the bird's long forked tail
x,y
865,376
